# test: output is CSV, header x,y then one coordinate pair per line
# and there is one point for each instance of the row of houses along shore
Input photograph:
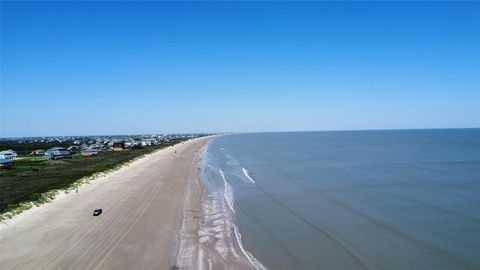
x,y
66,147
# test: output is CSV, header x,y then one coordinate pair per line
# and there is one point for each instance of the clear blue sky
x,y
150,67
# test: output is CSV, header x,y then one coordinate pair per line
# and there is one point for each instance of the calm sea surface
x,y
406,199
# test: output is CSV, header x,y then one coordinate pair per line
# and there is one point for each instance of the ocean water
x,y
403,199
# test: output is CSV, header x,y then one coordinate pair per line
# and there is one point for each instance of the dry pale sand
x,y
142,225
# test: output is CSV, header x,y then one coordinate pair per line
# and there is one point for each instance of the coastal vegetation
x,y
35,179
24,148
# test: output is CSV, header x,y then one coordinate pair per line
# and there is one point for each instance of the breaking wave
x,y
253,261
245,171
228,195
228,192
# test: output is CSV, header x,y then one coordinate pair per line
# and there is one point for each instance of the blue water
x,y
403,199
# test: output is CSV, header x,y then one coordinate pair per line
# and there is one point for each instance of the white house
x,y
8,154
58,153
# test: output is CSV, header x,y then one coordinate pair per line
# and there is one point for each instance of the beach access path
x,y
142,214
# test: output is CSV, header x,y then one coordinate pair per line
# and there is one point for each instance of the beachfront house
x,y
89,152
73,148
98,146
58,153
118,146
83,146
8,154
6,164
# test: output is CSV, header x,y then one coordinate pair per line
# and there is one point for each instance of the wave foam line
x,y
248,175
253,261
228,192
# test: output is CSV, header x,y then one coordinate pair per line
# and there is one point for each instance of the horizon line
x,y
238,132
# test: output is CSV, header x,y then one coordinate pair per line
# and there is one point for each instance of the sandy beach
x,y
149,208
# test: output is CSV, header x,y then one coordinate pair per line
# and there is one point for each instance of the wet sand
x,y
208,238
151,209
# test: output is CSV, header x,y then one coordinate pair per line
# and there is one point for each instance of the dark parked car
x,y
97,212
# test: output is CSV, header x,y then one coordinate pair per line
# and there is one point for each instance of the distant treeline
x,y
25,148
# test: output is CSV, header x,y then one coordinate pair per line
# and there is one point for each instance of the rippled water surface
x,y
407,199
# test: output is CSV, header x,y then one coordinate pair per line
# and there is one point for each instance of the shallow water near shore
x,y
404,199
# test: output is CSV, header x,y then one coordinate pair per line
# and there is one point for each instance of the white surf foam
x,y
228,192
248,175
229,198
253,261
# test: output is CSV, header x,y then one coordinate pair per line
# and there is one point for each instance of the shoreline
x,y
296,217
209,238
